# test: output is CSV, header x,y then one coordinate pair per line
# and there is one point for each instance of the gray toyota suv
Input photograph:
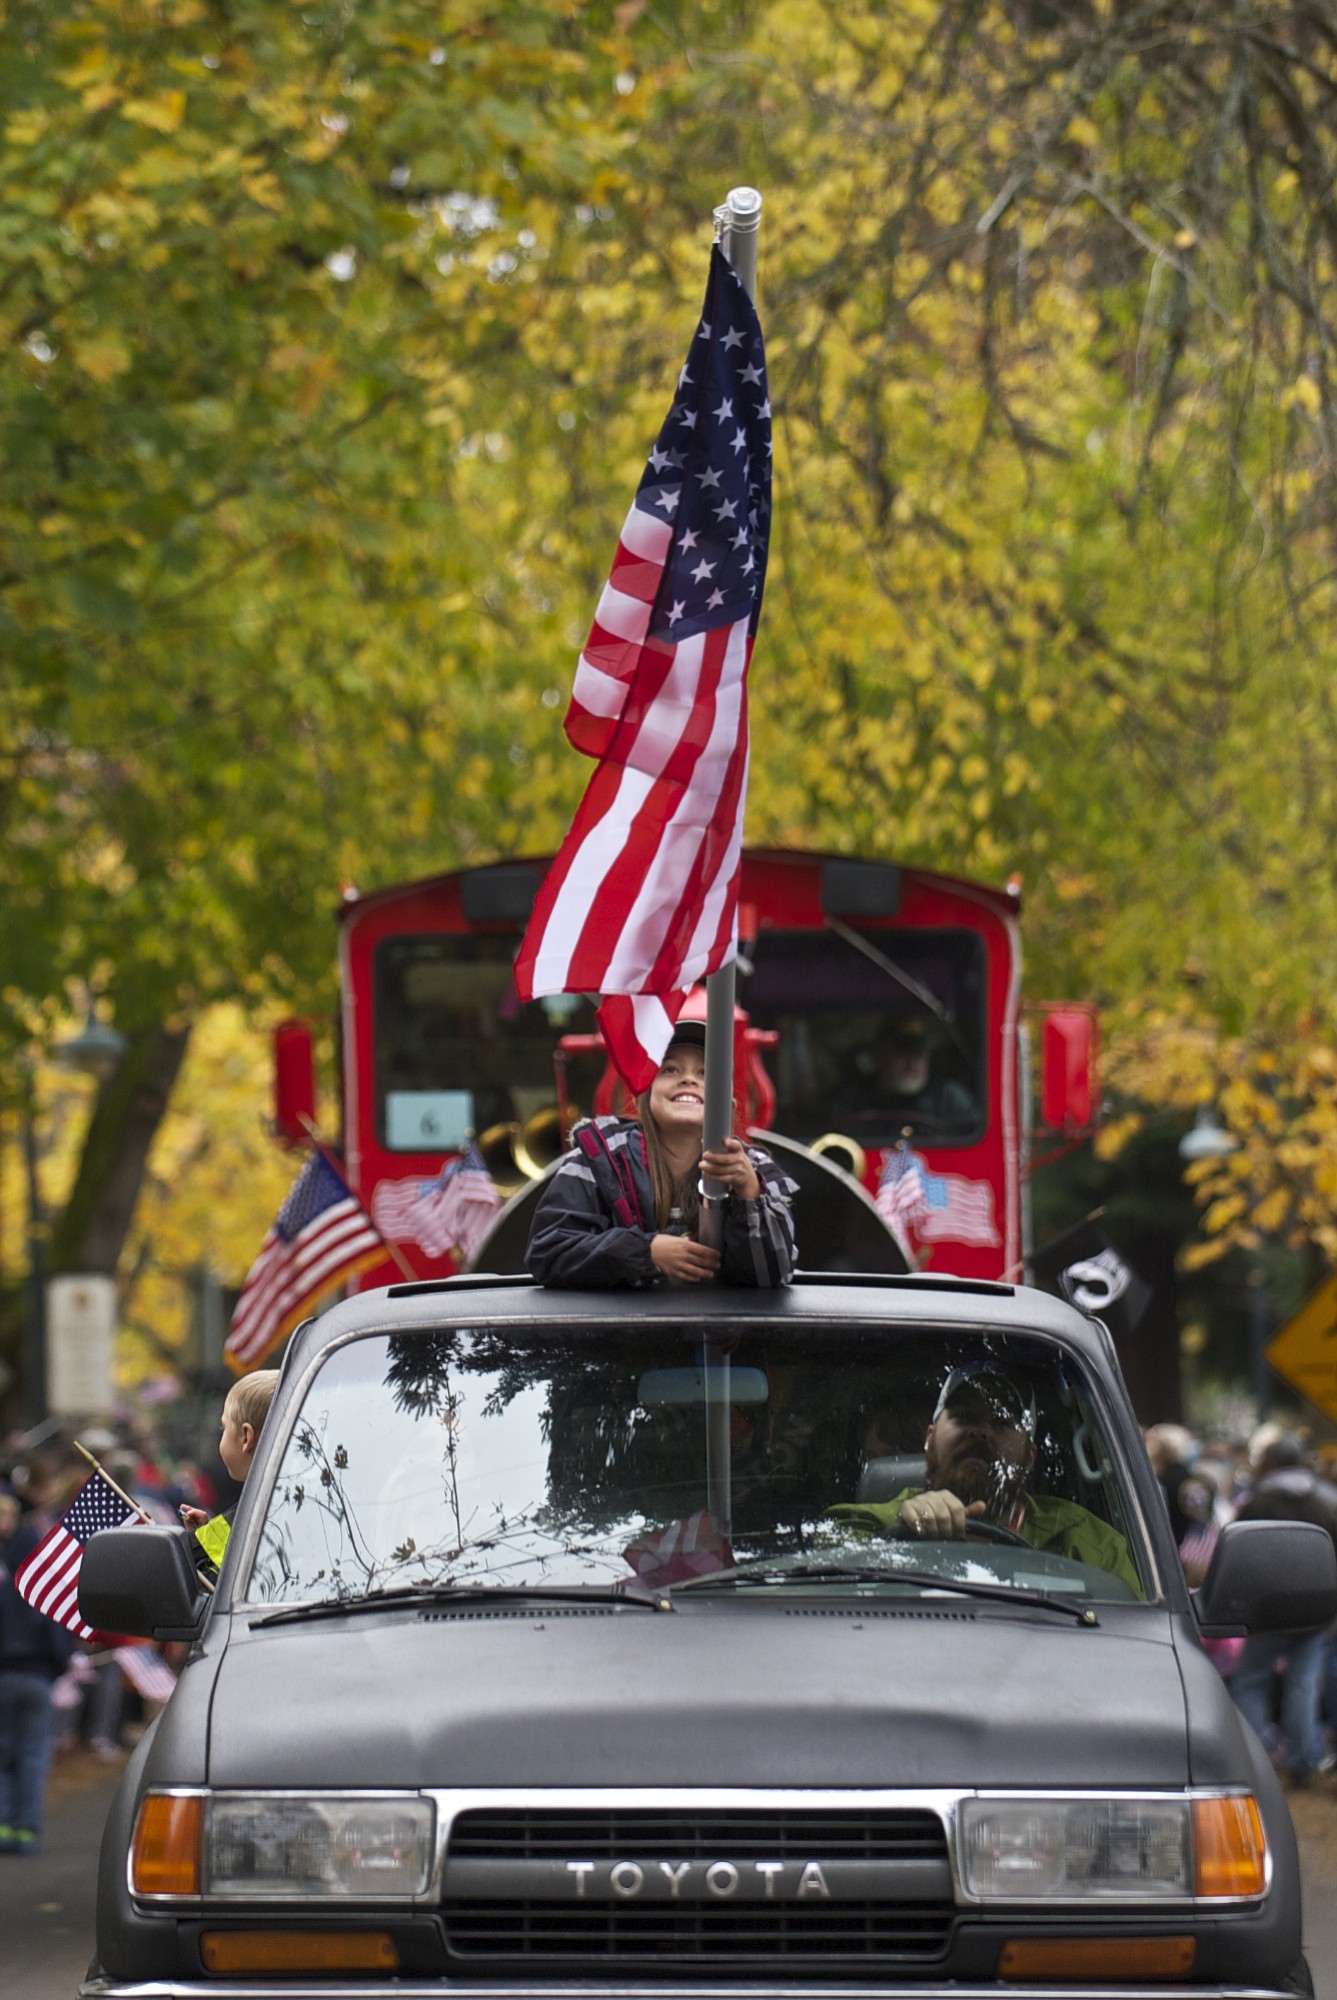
x,y
573,1643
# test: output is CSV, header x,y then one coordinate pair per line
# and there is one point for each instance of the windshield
x,y
457,1053
881,1032
518,1457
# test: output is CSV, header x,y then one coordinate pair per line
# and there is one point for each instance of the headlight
x,y
1076,1848
296,1847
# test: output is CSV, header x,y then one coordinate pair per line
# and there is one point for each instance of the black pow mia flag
x,y
1083,1267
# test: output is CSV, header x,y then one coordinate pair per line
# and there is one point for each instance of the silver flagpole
x,y
737,221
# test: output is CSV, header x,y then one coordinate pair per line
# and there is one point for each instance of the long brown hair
x,y
670,1190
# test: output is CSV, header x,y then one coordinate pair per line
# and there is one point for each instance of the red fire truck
x,y
883,1015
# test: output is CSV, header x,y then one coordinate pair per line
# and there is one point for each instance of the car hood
x,y
711,1695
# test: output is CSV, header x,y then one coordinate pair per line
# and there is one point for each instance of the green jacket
x,y
1059,1526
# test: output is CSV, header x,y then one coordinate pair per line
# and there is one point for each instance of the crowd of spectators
x,y
57,1693
1283,1683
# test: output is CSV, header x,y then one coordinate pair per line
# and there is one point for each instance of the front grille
x,y
528,1834
818,1929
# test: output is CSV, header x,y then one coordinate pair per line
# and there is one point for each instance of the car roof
x,y
908,1301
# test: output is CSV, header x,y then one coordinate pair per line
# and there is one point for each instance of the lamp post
x,y
1208,1139
34,1316
95,1051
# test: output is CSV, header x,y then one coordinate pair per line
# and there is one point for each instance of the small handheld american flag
x,y
900,1192
938,1207
451,1212
49,1579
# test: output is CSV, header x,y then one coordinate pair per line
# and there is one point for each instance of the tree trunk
x,y
91,1233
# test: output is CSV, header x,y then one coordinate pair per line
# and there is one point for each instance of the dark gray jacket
x,y
29,1643
1293,1493
595,1219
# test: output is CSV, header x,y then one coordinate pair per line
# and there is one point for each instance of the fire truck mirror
x,y
294,1083
1069,1084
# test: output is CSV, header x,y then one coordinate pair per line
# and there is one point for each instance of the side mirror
x,y
1268,1576
141,1581
1069,1076
294,1083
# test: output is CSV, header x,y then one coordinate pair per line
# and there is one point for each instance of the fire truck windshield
x,y
881,1033
456,1052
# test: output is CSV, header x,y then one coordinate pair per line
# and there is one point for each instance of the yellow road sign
x,y
1304,1353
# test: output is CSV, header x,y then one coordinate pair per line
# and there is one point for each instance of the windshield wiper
x,y
634,1591
1003,1593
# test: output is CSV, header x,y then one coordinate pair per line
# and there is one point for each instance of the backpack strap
x,y
612,1173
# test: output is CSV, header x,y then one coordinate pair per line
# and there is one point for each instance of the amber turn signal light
x,y
165,1855
1095,1958
298,1951
1229,1851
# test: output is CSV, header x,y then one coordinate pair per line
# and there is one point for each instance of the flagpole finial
x,y
744,209
736,224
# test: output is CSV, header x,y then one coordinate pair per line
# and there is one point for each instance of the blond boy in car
x,y
245,1408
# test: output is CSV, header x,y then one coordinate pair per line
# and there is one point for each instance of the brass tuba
x,y
842,1152
514,1153
539,1142
497,1145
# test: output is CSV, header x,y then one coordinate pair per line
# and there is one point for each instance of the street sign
x,y
80,1335
1304,1352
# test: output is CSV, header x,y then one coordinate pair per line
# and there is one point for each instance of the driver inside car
x,y
979,1453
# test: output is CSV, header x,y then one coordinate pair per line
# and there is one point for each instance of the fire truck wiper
x,y
747,1577
633,1591
859,943
912,986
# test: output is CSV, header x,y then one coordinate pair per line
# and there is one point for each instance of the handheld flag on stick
x,y
641,901
452,1212
900,1196
322,1237
937,1207
49,1579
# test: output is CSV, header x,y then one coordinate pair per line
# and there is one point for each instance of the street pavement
x,y
1315,1817
47,1905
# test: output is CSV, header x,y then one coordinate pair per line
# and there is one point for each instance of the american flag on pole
x,y
49,1578
642,900
450,1213
322,1237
